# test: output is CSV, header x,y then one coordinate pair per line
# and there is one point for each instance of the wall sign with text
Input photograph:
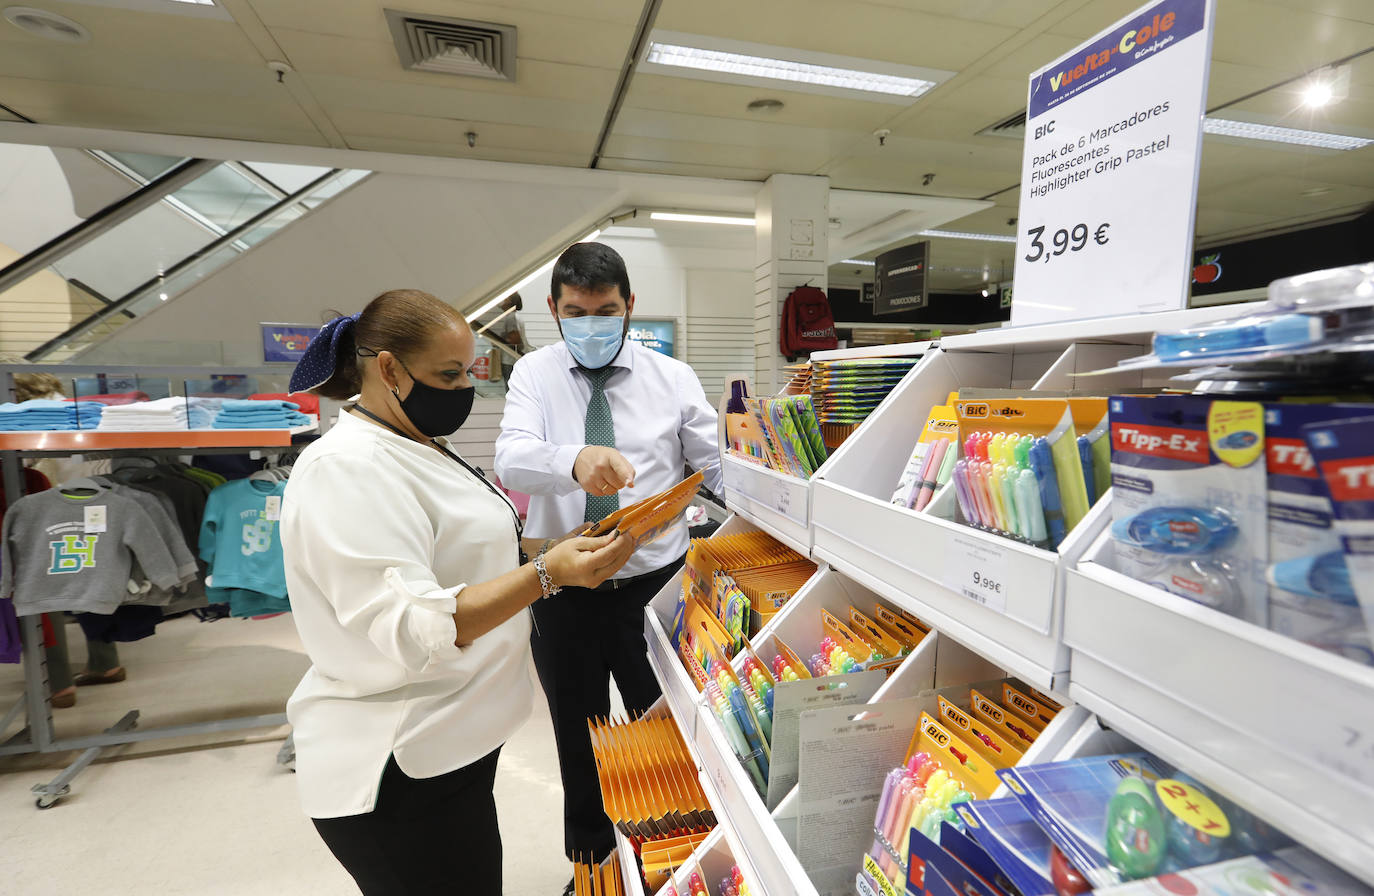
x,y
658,335
286,343
1109,175
900,281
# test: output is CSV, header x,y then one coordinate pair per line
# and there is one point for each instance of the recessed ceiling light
x,y
701,219
765,106
786,70
49,25
1248,130
960,235
859,261
196,2
1317,94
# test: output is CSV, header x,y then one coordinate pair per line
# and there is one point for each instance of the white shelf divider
x,y
1283,729
777,503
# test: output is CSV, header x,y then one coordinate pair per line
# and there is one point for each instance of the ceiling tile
x,y
615,163
366,20
997,12
153,71
1356,10
449,149
668,94
491,136
1290,40
795,159
130,33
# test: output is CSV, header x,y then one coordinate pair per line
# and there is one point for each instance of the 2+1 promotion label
x,y
1109,171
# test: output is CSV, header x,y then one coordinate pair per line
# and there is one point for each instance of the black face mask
x,y
434,411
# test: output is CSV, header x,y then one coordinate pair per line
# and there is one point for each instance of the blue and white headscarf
x,y
316,366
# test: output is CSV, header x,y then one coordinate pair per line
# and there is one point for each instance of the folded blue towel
x,y
259,405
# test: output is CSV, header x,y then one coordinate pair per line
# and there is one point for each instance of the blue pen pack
x,y
1311,596
1019,846
1344,453
1132,816
930,859
1189,499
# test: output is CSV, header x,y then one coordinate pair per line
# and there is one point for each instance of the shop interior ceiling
x,y
179,67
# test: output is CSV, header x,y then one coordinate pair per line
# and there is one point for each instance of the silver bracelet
x,y
546,584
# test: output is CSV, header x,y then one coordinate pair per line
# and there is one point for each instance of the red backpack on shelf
x,y
807,323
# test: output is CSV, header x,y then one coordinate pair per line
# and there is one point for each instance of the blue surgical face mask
x,y
593,339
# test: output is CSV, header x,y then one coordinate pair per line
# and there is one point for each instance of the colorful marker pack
x,y
1311,596
1021,474
1189,499
1344,454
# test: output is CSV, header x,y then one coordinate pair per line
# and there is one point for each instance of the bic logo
x,y
72,553
976,410
937,735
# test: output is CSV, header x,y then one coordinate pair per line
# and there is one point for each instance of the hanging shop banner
x,y
655,334
900,279
1109,176
286,342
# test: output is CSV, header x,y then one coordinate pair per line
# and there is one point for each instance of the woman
x,y
410,590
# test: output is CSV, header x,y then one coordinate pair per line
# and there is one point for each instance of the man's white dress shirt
x,y
662,420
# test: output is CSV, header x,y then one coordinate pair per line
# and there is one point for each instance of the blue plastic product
x,y
1085,457
1322,575
1042,465
1177,530
1281,331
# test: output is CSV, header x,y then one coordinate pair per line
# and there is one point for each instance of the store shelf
x,y
1132,328
923,562
895,350
629,866
777,503
82,441
1283,729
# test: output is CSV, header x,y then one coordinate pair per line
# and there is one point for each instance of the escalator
x,y
154,226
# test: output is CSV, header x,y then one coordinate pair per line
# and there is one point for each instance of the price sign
x,y
978,571
1109,174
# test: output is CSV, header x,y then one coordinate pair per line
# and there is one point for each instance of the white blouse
x,y
380,533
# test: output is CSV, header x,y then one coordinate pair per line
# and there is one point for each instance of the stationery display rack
x,y
1279,727
38,734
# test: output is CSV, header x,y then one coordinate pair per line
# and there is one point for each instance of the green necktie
x,y
600,430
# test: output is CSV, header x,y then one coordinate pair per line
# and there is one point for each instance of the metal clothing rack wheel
x,y
37,736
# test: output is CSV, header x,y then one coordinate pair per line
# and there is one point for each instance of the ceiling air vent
x,y
453,46
1013,127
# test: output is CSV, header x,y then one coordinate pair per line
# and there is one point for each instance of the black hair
x,y
401,321
590,266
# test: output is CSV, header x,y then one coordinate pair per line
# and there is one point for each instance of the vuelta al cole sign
x,y
1109,171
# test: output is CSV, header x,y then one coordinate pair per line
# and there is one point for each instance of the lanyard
x,y
519,526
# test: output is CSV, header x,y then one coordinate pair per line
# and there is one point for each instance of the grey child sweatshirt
x,y
48,561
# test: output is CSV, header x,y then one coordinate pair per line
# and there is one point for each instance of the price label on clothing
x,y
978,570
273,507
95,518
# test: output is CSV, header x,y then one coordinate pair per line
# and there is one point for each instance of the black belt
x,y
617,584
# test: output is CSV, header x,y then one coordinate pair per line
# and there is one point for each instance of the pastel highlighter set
x,y
932,460
953,759
857,643
650,791
1021,474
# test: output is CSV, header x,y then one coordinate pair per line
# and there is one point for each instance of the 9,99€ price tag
x,y
978,570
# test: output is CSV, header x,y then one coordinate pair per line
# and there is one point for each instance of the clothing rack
x,y
38,735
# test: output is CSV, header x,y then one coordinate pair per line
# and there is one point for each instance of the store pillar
x,y
792,230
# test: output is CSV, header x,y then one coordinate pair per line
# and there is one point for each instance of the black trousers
x,y
426,835
582,638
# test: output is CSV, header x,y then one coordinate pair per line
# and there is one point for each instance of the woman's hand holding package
x,y
587,562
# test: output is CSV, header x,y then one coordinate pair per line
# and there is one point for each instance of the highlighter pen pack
x,y
941,424
1021,474
1092,424
1188,499
1311,595
907,632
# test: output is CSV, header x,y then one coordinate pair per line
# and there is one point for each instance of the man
x,y
594,423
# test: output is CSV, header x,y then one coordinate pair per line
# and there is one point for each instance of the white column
x,y
792,233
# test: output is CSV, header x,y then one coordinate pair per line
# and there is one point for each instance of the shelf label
x,y
1110,166
978,570
782,501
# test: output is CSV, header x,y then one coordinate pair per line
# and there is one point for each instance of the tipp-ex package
x,y
1188,505
1344,452
1311,598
